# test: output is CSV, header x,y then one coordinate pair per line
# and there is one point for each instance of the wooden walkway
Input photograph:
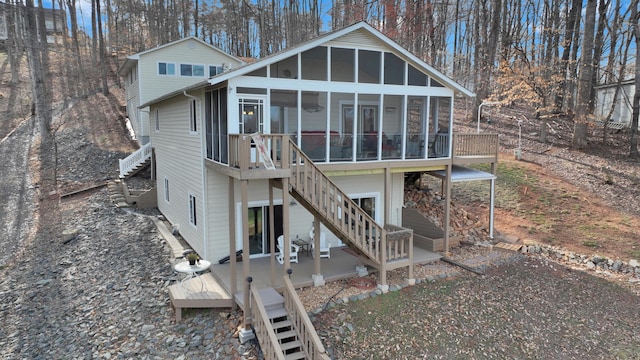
x,y
199,292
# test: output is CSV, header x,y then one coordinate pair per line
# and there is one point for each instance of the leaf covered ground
x,y
529,309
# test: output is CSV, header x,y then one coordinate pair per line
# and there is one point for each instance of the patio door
x,y
259,229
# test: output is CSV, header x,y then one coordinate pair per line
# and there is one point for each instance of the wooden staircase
x,y
384,248
282,326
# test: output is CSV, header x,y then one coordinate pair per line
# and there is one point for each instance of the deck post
x,y
316,246
244,185
387,195
447,209
285,224
272,235
232,240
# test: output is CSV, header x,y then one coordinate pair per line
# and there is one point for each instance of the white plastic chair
x,y
325,246
293,254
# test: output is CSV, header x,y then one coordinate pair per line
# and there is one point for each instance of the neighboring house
x,y
153,73
55,21
343,118
616,97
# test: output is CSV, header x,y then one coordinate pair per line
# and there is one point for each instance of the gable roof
x,y
322,39
131,60
327,37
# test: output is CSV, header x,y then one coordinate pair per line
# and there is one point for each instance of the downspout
x,y
204,193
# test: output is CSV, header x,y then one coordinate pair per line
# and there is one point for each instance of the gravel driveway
x,y
529,309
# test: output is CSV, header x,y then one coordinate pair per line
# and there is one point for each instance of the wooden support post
x,y
272,234
285,224
232,240
244,194
387,195
316,245
447,209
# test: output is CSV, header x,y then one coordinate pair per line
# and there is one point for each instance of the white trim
x,y
205,70
175,70
157,119
193,210
167,192
194,129
250,204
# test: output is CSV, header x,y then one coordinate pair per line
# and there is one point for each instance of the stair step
x,y
296,356
282,324
271,299
277,313
290,345
286,334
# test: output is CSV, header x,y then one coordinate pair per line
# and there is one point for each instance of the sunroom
x,y
338,104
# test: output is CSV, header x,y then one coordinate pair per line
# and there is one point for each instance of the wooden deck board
x,y
193,293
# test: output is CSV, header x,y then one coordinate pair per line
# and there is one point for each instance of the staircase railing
x,y
307,335
264,331
136,158
345,217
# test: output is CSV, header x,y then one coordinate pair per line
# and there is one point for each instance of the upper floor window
x,y
165,68
215,70
191,70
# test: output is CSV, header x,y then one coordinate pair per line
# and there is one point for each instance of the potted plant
x,y
193,257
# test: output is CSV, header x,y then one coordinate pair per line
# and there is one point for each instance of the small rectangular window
x,y
192,210
191,70
214,70
157,119
166,189
193,120
165,68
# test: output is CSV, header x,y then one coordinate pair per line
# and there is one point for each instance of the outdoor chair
x,y
293,254
325,246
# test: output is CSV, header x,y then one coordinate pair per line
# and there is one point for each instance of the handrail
x,y
311,343
345,215
264,330
136,158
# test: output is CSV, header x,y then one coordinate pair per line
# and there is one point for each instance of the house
x,y
313,142
614,104
55,21
154,72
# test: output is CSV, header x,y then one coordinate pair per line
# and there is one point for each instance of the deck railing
x,y
243,153
307,335
343,214
479,145
264,331
136,158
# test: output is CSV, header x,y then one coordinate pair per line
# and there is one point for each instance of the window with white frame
x,y
166,189
157,119
191,70
193,119
193,219
166,68
214,70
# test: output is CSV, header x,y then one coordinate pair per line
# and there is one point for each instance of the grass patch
x,y
591,243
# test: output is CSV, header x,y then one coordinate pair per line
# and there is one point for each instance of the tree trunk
x,y
584,80
103,60
633,138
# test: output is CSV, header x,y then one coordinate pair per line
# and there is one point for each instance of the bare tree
x,y
579,140
633,141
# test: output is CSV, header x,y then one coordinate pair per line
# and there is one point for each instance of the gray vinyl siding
x,y
179,159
